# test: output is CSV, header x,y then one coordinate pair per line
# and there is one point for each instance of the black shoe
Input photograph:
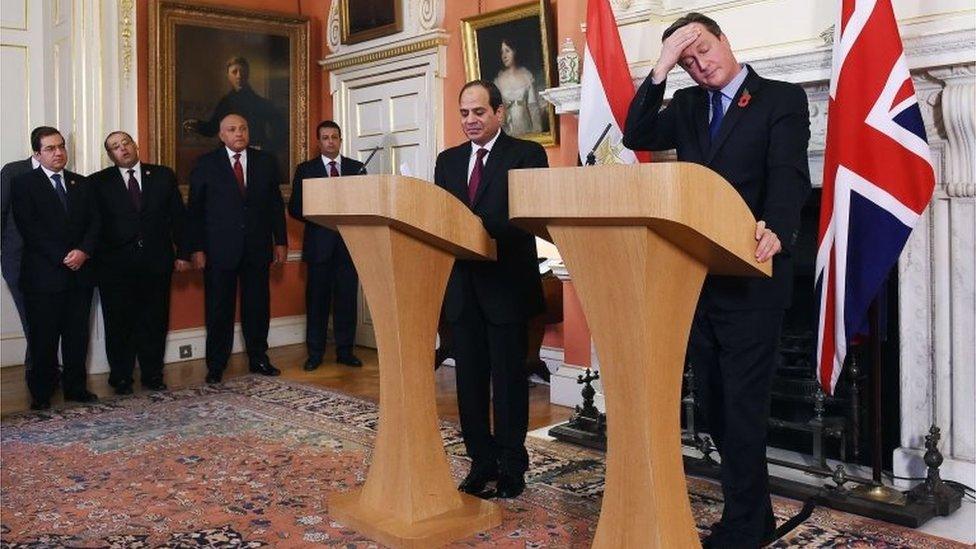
x,y
477,480
154,385
123,389
510,486
349,359
41,405
312,363
81,396
214,377
264,368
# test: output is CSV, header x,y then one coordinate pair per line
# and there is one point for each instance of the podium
x,y
638,242
403,235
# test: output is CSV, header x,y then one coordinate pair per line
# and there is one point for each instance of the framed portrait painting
x,y
207,61
368,19
512,47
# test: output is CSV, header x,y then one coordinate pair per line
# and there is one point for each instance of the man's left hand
x,y
769,244
280,254
75,259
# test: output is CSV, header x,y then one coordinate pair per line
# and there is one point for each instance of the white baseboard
x,y
285,330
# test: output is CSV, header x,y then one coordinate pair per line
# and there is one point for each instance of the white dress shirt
x,y
328,169
230,156
474,153
137,174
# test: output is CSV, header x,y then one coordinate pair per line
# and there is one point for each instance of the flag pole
x,y
877,491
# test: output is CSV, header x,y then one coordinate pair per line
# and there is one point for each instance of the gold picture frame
x,y
501,46
186,82
363,20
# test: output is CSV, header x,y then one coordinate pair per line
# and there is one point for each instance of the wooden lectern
x,y
638,242
403,235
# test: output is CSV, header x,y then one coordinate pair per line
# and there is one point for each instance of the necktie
x,y
59,187
239,174
717,114
475,181
333,172
134,193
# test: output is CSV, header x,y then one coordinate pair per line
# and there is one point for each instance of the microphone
x,y
368,158
383,142
591,156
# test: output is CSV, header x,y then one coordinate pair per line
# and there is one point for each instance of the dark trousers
x,y
136,312
220,297
733,356
11,275
332,285
490,371
52,319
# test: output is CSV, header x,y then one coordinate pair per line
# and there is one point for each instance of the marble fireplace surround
x,y
937,270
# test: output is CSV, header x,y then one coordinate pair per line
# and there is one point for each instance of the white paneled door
x,y
389,108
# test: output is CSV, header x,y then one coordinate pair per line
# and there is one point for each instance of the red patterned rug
x,y
252,462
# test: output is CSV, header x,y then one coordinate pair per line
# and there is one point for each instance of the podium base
x,y
474,515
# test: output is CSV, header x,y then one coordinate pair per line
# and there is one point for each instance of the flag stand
x,y
877,491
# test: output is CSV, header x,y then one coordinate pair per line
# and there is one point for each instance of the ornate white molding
x,y
333,27
959,122
430,13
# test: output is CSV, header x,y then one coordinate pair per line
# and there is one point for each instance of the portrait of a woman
x,y
524,109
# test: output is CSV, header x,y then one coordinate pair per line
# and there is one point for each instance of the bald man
x,y
235,230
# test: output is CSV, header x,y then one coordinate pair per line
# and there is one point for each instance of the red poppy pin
x,y
744,99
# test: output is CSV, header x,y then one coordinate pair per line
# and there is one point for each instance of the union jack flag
x,y
878,176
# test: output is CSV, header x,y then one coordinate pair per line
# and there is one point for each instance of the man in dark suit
x,y
331,275
235,229
59,224
142,225
754,132
12,244
488,303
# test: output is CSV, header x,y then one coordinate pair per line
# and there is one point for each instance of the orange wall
x,y
287,281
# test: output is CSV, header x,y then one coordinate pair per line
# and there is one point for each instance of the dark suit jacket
x,y
509,289
318,242
12,243
50,232
226,226
144,241
761,149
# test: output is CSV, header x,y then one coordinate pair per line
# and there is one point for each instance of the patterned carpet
x,y
252,462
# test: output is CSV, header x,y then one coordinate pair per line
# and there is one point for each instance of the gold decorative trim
x,y
428,44
126,30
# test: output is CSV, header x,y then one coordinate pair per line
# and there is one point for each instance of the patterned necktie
x,y
475,180
717,114
333,171
59,187
239,174
134,193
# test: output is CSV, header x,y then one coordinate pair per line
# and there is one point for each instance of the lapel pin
x,y
745,98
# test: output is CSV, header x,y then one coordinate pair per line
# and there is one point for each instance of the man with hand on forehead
x,y
753,132
235,229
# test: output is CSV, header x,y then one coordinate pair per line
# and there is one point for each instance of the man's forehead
x,y
232,120
52,139
474,97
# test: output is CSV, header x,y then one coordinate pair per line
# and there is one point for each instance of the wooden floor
x,y
362,382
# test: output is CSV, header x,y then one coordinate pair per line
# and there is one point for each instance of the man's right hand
x,y
199,260
671,50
